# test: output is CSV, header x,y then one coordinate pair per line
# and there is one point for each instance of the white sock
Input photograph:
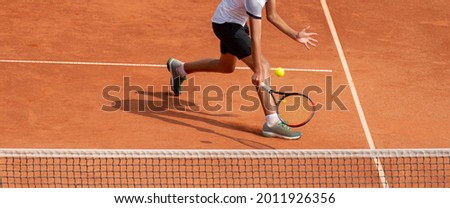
x,y
272,120
181,71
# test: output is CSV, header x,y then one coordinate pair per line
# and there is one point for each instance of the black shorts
x,y
234,39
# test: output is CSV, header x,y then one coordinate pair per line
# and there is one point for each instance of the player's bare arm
x,y
259,73
303,36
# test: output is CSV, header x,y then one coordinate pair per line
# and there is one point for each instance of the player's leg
x,y
179,70
266,100
273,126
232,47
225,64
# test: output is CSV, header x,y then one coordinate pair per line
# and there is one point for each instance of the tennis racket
x,y
293,109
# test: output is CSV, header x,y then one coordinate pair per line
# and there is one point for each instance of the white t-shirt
x,y
238,11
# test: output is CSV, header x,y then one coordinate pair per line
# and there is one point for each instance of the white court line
x,y
351,84
140,65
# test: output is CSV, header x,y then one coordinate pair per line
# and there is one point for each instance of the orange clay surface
x,y
397,53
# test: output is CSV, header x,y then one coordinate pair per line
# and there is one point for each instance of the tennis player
x,y
230,26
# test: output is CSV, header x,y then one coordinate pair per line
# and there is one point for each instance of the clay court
x,y
397,54
57,58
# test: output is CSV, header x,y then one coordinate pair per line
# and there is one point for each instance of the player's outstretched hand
x,y
306,39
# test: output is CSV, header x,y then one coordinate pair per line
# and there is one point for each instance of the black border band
x,y
254,16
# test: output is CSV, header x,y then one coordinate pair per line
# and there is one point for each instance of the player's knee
x,y
228,69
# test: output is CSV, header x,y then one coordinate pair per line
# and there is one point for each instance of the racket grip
x,y
265,87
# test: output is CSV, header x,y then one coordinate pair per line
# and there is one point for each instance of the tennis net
x,y
224,168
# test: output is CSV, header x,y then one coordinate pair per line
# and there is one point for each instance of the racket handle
x,y
265,87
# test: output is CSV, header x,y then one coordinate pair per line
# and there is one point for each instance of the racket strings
x,y
295,110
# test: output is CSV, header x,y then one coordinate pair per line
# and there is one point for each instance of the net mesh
x,y
22,168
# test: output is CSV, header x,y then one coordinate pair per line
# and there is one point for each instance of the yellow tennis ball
x,y
279,72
